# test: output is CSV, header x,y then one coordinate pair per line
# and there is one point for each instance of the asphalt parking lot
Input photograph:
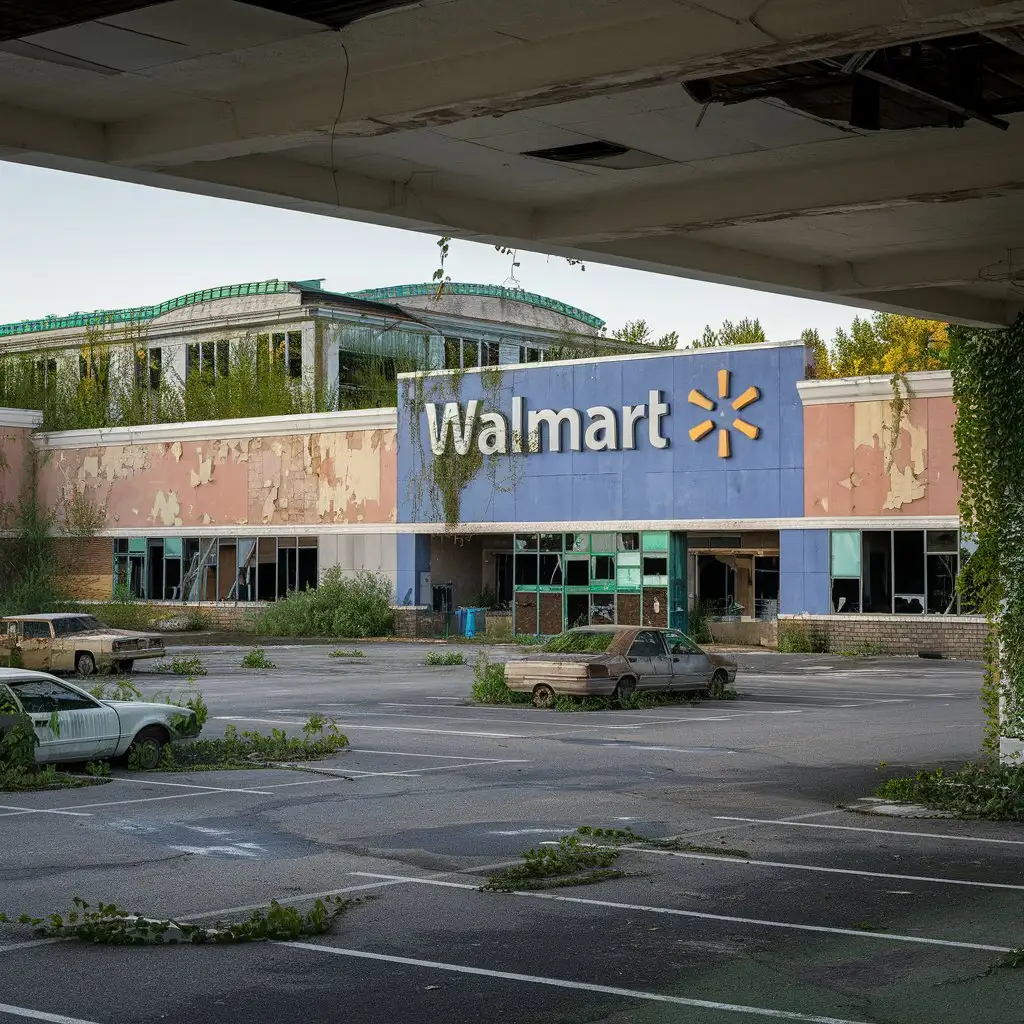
x,y
833,916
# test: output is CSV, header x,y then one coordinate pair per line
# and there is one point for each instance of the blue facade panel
x,y
758,478
804,575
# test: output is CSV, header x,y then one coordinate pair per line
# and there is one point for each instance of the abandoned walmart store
x,y
626,488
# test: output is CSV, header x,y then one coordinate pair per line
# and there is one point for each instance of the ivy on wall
x,y
987,368
436,484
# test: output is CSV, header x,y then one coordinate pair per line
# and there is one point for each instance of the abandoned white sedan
x,y
72,725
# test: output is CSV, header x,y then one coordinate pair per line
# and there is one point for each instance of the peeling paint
x,y
166,509
176,451
205,472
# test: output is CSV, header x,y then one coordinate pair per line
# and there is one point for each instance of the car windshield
x,y
76,624
580,643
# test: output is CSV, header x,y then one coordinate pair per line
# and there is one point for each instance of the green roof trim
x,y
114,316
495,291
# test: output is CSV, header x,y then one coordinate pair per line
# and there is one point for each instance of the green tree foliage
x,y
745,332
637,332
885,343
987,366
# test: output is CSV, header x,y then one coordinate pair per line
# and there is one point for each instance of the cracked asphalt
x,y
832,916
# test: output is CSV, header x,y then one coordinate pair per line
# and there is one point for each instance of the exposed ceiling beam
x,y
24,133
647,49
942,268
933,172
942,304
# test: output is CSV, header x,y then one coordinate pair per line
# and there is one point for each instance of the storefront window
x,y
906,572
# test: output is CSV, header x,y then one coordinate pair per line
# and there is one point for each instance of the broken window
x,y
490,353
470,353
550,570
452,353
845,556
577,572
908,572
602,569
877,569
294,362
526,570
941,566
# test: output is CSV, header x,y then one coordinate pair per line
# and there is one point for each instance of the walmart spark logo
x,y
698,398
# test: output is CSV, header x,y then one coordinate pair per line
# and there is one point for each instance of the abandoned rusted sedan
x,y
74,642
617,661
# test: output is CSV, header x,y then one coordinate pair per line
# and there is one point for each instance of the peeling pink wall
x,y
336,477
16,445
847,466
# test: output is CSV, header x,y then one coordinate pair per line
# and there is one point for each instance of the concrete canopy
x,y
430,115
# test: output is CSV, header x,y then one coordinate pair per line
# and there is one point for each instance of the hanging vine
x,y
436,484
987,368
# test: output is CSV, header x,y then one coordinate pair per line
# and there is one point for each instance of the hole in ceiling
x,y
599,153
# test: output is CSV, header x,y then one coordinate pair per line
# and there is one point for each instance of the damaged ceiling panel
x,y
929,84
19,19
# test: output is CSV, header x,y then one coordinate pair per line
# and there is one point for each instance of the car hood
x,y
118,634
146,707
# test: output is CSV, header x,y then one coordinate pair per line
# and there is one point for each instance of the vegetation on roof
x,y
580,643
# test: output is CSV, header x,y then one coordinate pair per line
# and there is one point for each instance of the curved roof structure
x,y
395,293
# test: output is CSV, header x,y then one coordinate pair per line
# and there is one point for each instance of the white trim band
x,y
923,384
28,419
220,430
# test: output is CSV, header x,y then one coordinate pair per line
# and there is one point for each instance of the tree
x,y
746,332
637,332
819,351
889,343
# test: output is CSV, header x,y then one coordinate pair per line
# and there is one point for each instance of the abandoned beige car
x,y
72,642
606,661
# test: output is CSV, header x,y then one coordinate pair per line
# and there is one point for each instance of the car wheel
x,y
85,663
716,688
543,696
625,690
147,748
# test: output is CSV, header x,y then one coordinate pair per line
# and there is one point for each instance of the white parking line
x,y
379,728
187,785
54,1018
881,831
703,916
13,810
442,757
409,773
814,867
579,986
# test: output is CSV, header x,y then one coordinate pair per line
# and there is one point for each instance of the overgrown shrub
x,y
125,611
699,630
342,605
798,637
489,686
987,790
445,658
257,658
188,666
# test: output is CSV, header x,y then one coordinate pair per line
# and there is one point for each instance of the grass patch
x,y
320,739
257,658
639,700
108,924
26,779
489,686
986,790
98,769
342,653
125,612
569,863
865,649
445,658
188,666
627,837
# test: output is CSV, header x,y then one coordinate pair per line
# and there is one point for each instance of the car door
x,y
650,662
35,644
62,648
85,728
690,665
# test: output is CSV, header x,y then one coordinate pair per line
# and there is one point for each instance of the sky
x,y
72,243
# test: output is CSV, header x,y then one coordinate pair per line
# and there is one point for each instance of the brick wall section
x,y
86,567
953,636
